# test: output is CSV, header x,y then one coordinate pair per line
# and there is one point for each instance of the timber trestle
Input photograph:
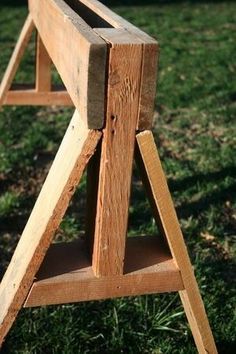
x,y
108,67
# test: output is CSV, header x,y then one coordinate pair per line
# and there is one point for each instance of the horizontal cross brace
x,y
24,94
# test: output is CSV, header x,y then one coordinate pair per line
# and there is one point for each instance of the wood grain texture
x,y
149,268
150,57
78,53
20,95
73,155
43,67
125,61
190,296
92,197
16,57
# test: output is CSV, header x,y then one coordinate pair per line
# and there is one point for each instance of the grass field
x,y
195,133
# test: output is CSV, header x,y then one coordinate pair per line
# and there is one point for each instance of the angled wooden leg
x,y
16,57
43,67
92,196
164,207
77,147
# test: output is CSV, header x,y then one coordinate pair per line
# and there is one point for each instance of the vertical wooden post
x,y
125,62
164,207
43,67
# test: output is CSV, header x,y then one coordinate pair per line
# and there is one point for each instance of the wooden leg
x,y
164,207
92,195
73,155
43,67
16,58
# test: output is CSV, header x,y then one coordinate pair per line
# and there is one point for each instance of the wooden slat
x,y
125,60
43,67
74,153
78,53
88,15
115,20
150,57
92,197
16,58
190,296
149,269
27,95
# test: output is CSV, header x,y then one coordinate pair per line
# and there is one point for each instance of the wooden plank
x,y
150,56
148,86
125,60
115,20
190,296
27,95
78,53
149,269
88,15
92,197
73,155
43,67
148,190
16,58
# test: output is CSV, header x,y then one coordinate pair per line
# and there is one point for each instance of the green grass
x,y
195,134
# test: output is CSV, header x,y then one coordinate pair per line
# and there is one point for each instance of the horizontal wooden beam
x,y
20,95
149,268
78,53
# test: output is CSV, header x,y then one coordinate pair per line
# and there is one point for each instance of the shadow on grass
x,y
213,198
183,184
193,208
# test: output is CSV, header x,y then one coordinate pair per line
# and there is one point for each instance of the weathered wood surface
x,y
125,61
16,57
149,268
73,155
78,53
164,207
150,54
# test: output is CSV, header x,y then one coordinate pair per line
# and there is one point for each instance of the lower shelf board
x,y
66,274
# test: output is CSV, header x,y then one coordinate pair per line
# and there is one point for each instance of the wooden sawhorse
x,y
108,67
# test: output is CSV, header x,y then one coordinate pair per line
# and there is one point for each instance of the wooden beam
x,y
77,147
16,57
150,55
27,95
149,269
190,296
125,61
77,52
43,67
